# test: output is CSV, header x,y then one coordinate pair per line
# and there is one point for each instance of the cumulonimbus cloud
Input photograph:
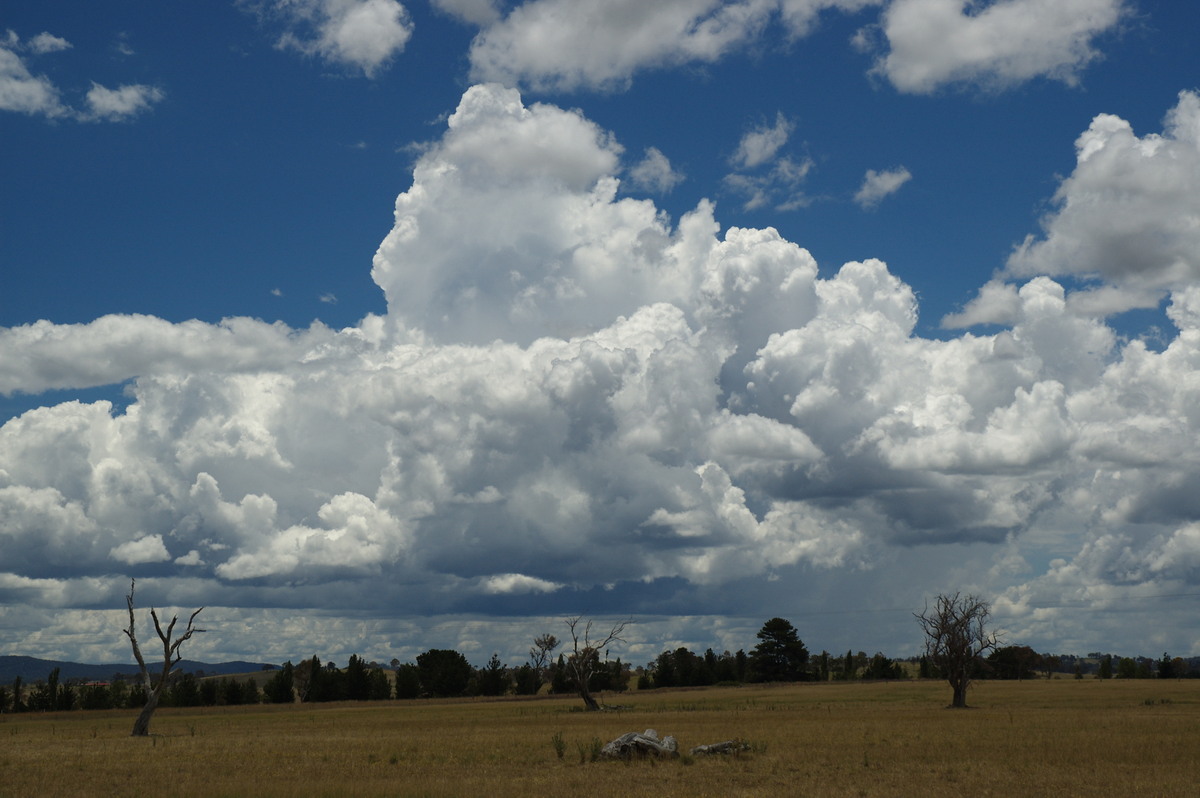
x,y
572,392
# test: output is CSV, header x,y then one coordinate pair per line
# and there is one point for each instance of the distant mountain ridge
x,y
32,669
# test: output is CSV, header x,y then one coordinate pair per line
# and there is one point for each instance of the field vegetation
x,y
1041,737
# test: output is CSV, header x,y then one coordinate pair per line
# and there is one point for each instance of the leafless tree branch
x,y
171,658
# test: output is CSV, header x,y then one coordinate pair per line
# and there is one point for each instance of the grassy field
x,y
1063,737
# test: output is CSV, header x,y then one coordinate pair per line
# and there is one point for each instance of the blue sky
x,y
602,355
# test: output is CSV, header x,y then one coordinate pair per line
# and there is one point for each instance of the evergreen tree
x,y
378,686
408,681
279,688
1106,667
848,669
493,677
444,672
780,656
185,692
356,686
527,680
560,680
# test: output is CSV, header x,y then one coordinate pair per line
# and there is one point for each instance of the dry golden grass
x,y
1062,738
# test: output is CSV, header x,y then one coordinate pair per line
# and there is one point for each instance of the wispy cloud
x,y
877,185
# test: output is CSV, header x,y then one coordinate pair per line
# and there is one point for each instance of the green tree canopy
x,y
780,656
444,672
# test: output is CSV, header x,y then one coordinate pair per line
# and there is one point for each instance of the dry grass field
x,y
1061,738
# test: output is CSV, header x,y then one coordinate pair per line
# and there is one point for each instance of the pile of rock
x,y
647,743
727,747
638,745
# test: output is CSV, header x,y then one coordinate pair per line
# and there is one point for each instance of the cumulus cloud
x,y
763,176
363,34
1129,214
934,43
601,44
574,396
23,92
654,173
762,144
45,43
569,44
112,105
877,185
1125,225
43,356
20,90
146,549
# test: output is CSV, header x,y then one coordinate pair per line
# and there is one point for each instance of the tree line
x,y
582,668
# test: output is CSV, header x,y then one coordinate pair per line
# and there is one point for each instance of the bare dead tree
x,y
171,658
585,657
956,634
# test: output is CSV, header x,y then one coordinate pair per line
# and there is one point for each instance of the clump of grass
x,y
560,745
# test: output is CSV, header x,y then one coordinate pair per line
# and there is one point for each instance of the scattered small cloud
x,y
122,45
146,549
760,145
654,173
328,298
763,176
47,43
476,12
191,558
877,185
124,102
23,92
518,583
363,34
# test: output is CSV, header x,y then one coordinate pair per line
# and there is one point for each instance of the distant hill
x,y
32,669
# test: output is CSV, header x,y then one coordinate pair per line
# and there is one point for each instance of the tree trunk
x,y
141,727
589,703
960,696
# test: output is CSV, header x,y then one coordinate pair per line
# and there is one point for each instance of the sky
x,y
377,326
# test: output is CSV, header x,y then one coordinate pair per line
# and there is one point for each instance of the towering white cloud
x,y
1126,222
1130,212
934,43
572,392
